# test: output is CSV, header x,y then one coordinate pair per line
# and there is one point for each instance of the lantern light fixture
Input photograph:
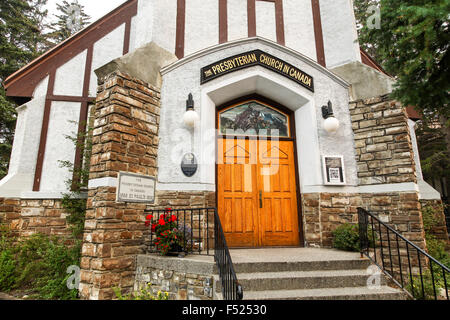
x,y
190,117
331,124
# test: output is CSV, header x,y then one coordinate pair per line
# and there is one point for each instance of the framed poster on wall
x,y
333,170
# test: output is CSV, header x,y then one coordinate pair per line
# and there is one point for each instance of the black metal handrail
x,y
231,289
406,264
194,224
200,229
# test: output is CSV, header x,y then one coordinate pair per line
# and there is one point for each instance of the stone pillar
x,y
125,138
385,156
383,142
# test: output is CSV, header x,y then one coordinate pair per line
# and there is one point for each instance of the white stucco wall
x,y
106,49
25,149
237,19
202,25
156,21
59,147
41,88
175,140
339,32
142,24
299,32
164,34
265,20
69,77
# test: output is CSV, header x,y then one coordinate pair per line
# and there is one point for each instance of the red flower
x,y
149,217
162,222
173,218
147,223
168,209
154,227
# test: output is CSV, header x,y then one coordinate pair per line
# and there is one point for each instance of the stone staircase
x,y
306,274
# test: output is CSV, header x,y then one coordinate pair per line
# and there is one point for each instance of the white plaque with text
x,y
135,188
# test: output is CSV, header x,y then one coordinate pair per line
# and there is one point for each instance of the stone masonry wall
x,y
323,213
27,217
182,279
383,143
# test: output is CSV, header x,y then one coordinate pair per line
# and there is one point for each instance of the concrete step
x,y
250,267
295,280
355,293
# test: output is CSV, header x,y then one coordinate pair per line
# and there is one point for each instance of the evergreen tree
x,y
42,42
363,13
413,44
432,144
71,19
21,37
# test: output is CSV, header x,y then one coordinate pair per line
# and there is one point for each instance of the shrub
x,y
7,270
346,237
428,288
436,248
38,264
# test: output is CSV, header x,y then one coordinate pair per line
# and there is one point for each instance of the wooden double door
x,y
257,192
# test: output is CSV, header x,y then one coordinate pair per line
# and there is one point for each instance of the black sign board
x,y
189,165
256,58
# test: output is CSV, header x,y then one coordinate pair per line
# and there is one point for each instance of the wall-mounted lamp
x,y
190,117
331,124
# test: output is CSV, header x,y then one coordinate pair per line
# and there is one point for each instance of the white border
x,y
324,171
143,176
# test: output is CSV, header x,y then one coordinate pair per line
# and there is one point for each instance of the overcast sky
x,y
94,8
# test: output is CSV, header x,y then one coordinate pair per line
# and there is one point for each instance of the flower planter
x,y
176,251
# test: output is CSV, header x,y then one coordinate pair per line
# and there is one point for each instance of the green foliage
x,y
7,126
426,292
362,14
74,202
71,19
144,294
7,270
39,264
424,287
412,44
435,158
346,237
436,248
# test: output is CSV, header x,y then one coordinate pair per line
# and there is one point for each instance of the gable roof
x,y
21,84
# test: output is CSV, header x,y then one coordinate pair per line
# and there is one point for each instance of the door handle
x,y
260,199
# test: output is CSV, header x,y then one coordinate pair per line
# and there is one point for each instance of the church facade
x,y
266,109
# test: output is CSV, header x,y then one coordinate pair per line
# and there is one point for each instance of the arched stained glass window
x,y
253,118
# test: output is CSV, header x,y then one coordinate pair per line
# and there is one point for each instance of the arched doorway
x,y
258,194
